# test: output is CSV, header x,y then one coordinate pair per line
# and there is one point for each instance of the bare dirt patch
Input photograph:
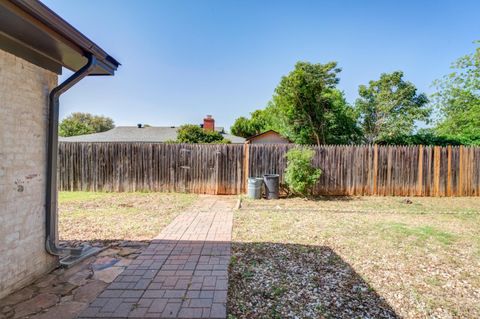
x,y
273,280
296,258
377,204
85,216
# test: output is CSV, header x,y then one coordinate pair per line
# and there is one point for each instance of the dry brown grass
x,y
409,259
88,216
374,204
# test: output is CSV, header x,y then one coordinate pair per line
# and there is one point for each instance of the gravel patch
x,y
271,280
341,258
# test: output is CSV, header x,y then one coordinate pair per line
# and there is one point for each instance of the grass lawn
x,y
90,216
367,257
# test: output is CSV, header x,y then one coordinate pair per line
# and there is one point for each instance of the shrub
x,y
425,137
300,175
195,134
84,123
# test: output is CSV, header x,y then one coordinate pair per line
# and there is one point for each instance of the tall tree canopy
x,y
312,109
457,100
389,107
242,127
190,133
258,122
84,123
307,108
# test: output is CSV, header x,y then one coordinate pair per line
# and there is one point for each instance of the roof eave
x,y
64,45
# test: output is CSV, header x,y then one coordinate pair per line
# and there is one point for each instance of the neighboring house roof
x,y
254,137
144,134
32,31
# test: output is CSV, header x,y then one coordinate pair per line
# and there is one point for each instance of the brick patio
x,y
182,274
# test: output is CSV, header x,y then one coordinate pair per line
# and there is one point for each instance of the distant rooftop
x,y
153,134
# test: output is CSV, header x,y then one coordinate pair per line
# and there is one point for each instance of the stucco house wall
x,y
24,90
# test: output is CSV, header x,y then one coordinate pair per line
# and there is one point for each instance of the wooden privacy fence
x,y
204,169
223,169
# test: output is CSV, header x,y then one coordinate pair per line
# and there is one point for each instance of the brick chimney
x,y
209,123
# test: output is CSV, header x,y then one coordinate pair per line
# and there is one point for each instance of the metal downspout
x,y
70,255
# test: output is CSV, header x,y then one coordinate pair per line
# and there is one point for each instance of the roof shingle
x,y
145,134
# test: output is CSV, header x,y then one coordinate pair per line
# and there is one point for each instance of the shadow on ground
x,y
266,280
275,280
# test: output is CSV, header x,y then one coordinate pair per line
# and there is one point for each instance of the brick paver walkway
x,y
182,274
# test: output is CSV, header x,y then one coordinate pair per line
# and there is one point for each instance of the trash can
x,y
272,185
255,187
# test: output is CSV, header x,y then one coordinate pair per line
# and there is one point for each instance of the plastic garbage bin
x,y
272,185
255,187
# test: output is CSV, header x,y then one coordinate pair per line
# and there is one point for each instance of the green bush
x,y
195,134
300,175
84,123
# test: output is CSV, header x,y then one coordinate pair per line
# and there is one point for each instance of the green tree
x,y
389,107
259,122
424,136
300,175
84,123
302,97
457,100
243,127
311,109
190,133
306,108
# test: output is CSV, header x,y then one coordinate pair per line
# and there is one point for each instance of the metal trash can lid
x,y
271,175
255,180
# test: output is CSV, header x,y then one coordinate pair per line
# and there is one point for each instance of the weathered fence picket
x,y
222,169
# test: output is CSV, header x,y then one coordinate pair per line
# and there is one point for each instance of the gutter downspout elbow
x,y
51,243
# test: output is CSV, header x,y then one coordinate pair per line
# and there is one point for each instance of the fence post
x,y
375,168
217,171
420,171
460,171
436,171
246,162
449,170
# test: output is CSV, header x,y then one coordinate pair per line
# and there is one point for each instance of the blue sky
x,y
183,59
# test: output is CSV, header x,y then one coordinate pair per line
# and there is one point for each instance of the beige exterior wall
x,y
24,90
269,138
